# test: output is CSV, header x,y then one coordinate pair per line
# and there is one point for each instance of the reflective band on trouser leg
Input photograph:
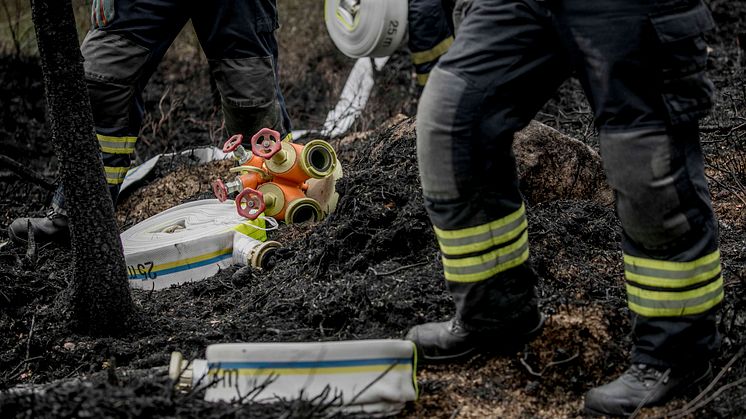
x,y
478,253
115,175
425,61
422,79
433,53
116,145
658,288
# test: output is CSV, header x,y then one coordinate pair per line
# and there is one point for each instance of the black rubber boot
x,y
453,341
643,385
51,228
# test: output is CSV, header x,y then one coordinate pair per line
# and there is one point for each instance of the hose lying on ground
x,y
190,242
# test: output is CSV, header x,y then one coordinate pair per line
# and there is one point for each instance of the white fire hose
x,y
193,241
367,28
374,377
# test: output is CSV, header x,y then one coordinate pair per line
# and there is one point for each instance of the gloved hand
x,y
102,12
459,12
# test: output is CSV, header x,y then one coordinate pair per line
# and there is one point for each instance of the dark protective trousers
x,y
641,63
430,35
130,37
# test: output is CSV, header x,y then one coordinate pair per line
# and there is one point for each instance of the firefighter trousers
x,y
641,64
130,37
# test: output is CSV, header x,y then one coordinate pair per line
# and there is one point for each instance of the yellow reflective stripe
x,y
422,79
665,265
452,266
487,257
433,53
310,371
672,283
484,244
115,175
490,273
674,296
480,229
677,312
116,145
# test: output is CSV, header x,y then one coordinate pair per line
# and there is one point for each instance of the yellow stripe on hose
x,y
311,371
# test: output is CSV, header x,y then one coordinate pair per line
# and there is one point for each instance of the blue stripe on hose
x,y
188,266
309,364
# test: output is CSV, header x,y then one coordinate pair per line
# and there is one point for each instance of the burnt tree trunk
x,y
98,300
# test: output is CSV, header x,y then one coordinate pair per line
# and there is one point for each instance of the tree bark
x,y
98,300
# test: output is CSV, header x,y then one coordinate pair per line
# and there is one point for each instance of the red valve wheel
x,y
266,143
232,143
250,203
220,190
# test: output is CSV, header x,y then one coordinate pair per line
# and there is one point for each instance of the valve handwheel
x,y
232,143
250,203
220,190
266,143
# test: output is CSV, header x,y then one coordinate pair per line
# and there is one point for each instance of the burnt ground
x,y
371,270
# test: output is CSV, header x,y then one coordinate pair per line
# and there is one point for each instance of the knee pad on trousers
x,y
112,66
249,95
441,120
651,186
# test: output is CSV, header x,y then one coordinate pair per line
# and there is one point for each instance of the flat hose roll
x,y
189,242
368,28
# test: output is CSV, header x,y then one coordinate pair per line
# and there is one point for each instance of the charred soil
x,y
370,270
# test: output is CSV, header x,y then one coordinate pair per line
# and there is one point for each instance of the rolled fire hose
x,y
367,28
191,242
371,376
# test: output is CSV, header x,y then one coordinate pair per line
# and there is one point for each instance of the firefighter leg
x,y
120,56
502,67
430,35
120,53
648,90
239,41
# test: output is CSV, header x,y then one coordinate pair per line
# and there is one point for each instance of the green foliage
x,y
17,35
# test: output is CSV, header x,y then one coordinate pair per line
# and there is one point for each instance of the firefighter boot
x,y
51,228
644,385
453,340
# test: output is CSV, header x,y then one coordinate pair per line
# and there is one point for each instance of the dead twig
x,y
372,383
547,366
528,367
25,173
729,128
399,269
712,397
694,405
30,335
